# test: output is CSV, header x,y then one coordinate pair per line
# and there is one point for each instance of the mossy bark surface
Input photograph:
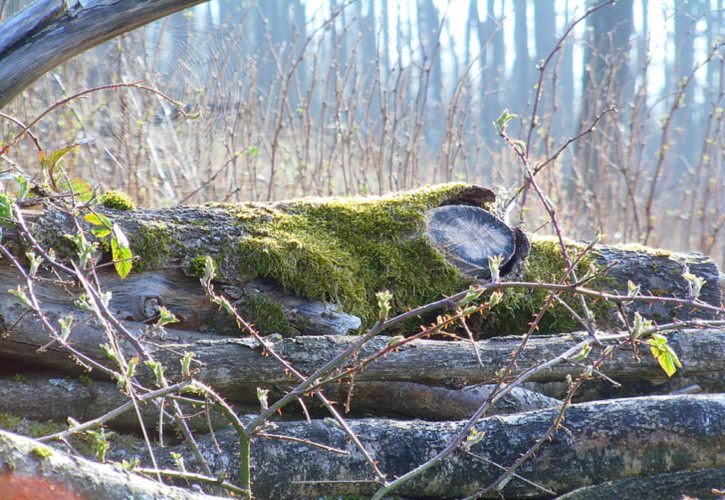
x,y
345,250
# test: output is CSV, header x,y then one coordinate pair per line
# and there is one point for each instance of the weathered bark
x,y
55,397
24,457
139,296
236,366
50,32
599,442
704,483
412,400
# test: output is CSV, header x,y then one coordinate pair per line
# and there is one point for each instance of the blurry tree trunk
x,y
545,27
521,78
605,79
490,34
565,127
471,21
685,124
429,33
385,49
299,33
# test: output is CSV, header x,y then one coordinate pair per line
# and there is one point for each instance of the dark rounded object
x,y
468,236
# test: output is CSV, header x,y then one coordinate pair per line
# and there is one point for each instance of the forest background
x,y
291,97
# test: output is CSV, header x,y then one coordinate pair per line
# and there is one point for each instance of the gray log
x,y
599,442
236,366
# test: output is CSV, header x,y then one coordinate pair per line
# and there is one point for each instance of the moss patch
x,y
344,250
152,245
266,314
546,264
117,200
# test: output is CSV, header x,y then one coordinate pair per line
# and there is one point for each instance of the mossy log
x,y
314,264
599,442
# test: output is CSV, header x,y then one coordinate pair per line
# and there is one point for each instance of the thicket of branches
x,y
368,97
309,114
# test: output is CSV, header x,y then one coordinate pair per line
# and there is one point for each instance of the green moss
x,y
547,265
196,266
637,247
344,250
82,442
42,451
152,245
266,314
117,200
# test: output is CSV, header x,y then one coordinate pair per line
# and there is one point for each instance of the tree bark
x,y
598,442
702,483
237,366
52,31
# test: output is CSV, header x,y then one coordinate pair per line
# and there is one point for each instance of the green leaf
x,y
121,252
83,303
158,370
502,122
132,364
224,303
186,363
209,272
664,354
98,220
495,298
100,232
6,209
262,398
494,266
20,294
475,436
80,189
632,289
472,295
384,299
108,351
66,323
582,355
23,186
52,161
165,317
35,261
695,283
640,325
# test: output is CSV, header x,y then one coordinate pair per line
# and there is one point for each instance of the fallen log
x,y
236,367
421,245
598,442
55,397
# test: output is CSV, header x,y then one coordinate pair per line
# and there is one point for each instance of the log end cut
x,y
469,236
